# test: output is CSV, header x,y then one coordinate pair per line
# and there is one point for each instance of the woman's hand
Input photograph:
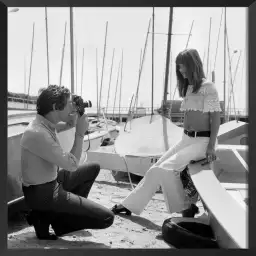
x,y
210,153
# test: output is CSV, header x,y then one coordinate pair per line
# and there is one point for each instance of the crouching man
x,y
55,187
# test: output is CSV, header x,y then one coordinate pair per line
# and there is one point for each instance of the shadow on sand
x,y
143,222
29,240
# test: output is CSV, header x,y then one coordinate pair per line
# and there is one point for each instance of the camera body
x,y
80,105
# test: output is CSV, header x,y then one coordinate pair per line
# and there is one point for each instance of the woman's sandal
x,y
190,212
120,209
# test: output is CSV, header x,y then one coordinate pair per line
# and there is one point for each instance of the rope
x,y
127,169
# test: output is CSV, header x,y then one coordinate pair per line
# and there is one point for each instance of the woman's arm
x,y
214,126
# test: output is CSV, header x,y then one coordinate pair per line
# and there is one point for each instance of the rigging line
x,y
110,79
137,90
63,53
143,59
218,40
232,86
129,113
31,61
231,81
120,89
47,47
189,34
116,88
103,63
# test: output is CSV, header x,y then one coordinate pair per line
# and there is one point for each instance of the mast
x,y
120,90
63,52
168,57
225,41
47,48
31,60
103,63
71,49
24,81
110,79
97,83
213,72
76,65
170,71
82,73
116,89
153,37
209,42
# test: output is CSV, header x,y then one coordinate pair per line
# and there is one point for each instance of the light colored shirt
x,y
41,153
205,100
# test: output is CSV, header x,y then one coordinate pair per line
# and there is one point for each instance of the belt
x,y
197,134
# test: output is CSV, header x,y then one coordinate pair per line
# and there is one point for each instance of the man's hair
x,y
53,94
193,63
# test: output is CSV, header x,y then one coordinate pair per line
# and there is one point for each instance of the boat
x,y
135,151
223,189
148,147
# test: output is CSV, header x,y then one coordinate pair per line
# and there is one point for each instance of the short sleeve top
x,y
205,100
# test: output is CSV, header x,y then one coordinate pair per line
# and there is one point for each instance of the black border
x,y
125,3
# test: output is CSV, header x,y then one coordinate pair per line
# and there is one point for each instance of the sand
x,y
134,231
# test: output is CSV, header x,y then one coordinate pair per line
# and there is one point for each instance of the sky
x,y
127,31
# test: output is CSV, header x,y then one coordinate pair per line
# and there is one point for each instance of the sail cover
x,y
148,136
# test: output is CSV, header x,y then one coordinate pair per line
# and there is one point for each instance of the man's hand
x,y
73,120
82,124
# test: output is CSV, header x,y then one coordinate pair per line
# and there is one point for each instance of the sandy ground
x,y
134,231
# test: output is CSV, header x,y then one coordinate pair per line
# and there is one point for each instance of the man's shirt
x,y
41,153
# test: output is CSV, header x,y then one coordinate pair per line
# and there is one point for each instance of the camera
x,y
80,105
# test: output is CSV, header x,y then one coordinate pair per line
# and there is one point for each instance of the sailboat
x,y
134,151
222,186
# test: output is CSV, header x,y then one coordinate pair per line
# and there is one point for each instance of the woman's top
x,y
205,100
41,153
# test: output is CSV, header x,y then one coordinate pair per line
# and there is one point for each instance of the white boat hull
x,y
223,189
139,164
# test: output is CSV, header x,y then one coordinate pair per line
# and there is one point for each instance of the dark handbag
x,y
188,234
187,183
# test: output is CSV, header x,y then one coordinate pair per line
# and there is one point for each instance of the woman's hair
x,y
195,73
53,94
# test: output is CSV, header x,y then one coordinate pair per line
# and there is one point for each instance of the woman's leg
x,y
185,141
174,194
137,200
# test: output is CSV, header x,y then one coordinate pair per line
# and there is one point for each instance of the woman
x,y
201,125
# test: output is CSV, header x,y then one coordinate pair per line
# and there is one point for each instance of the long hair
x,y
195,73
53,94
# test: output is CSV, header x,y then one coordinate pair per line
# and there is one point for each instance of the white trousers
x,y
166,173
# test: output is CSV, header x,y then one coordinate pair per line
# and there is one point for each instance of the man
x,y
55,187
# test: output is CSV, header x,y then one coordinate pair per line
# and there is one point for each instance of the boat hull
x,y
137,164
